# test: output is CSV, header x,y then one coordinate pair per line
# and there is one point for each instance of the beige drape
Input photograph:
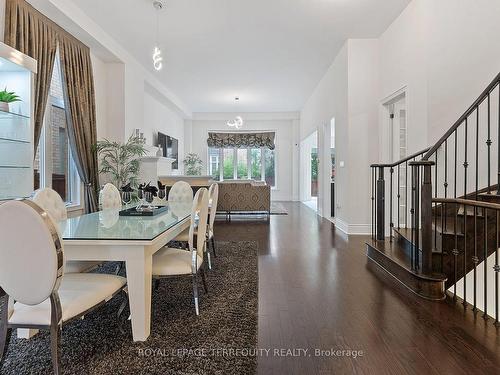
x,y
32,33
28,31
78,85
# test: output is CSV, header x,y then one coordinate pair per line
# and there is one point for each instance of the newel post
x,y
426,216
381,205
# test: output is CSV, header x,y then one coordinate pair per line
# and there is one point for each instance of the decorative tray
x,y
145,211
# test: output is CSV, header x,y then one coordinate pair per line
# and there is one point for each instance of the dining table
x,y
109,237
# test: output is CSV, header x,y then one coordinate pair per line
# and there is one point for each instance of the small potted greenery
x,y
193,165
7,97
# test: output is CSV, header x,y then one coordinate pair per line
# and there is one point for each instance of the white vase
x,y
4,106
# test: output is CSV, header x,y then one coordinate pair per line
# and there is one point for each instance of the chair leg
x,y
204,279
4,342
195,294
119,268
213,246
55,347
5,332
207,254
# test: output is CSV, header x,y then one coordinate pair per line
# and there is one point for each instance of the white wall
x,y
445,53
159,118
284,124
440,52
329,100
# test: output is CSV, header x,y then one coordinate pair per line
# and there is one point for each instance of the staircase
x,y
436,213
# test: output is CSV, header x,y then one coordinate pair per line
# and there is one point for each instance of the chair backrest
x,y
31,254
109,197
200,209
51,202
181,191
213,194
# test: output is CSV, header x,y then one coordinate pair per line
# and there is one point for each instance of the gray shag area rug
x,y
219,341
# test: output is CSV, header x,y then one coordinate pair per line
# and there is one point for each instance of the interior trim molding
x,y
352,229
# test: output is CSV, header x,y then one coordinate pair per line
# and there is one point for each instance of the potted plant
x,y
120,160
7,97
193,164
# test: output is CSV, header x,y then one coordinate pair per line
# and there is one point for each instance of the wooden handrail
x,y
468,202
396,163
462,118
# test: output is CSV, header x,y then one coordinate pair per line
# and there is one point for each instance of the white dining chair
x,y
213,194
181,191
48,298
110,197
52,203
170,262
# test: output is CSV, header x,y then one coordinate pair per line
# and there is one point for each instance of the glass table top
x,y
108,225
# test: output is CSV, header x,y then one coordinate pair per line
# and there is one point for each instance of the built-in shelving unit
x,y
16,125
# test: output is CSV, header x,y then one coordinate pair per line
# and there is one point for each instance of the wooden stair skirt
x,y
394,259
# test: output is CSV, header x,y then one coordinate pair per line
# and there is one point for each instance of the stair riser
x,y
429,289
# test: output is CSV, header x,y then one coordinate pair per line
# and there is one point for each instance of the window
x,y
243,163
213,163
228,164
256,163
54,166
242,158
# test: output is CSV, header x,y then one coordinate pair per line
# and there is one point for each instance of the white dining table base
x,y
138,258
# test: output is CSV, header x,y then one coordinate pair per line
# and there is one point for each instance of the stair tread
x,y
397,253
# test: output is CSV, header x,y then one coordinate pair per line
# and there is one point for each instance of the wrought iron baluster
x,y
465,257
477,153
485,266
445,180
488,144
455,253
391,224
399,196
412,219
496,268
373,202
466,164
475,261
406,194
435,204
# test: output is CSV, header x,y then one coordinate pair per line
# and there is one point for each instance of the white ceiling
x,y
270,53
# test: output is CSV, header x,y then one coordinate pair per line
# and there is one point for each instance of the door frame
x,y
385,129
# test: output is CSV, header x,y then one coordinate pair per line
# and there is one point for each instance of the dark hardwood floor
x,y
318,291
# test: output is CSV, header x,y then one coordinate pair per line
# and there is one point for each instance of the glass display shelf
x,y
12,115
13,140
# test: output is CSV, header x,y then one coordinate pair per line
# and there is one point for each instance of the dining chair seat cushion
x,y
184,236
78,293
79,266
170,262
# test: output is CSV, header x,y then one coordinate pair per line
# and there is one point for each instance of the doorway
x,y
310,171
396,121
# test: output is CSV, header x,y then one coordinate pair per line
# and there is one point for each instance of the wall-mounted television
x,y
170,147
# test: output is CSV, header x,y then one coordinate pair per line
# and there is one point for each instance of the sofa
x,y
244,196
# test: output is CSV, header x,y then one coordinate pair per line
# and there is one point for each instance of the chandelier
x,y
157,58
237,123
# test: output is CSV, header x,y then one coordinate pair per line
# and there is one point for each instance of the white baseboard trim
x,y
342,225
353,229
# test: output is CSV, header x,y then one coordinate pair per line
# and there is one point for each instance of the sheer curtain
x,y
30,32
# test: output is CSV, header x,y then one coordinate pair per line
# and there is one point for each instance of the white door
x,y
398,141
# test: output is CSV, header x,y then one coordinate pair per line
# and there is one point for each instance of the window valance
x,y
227,140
